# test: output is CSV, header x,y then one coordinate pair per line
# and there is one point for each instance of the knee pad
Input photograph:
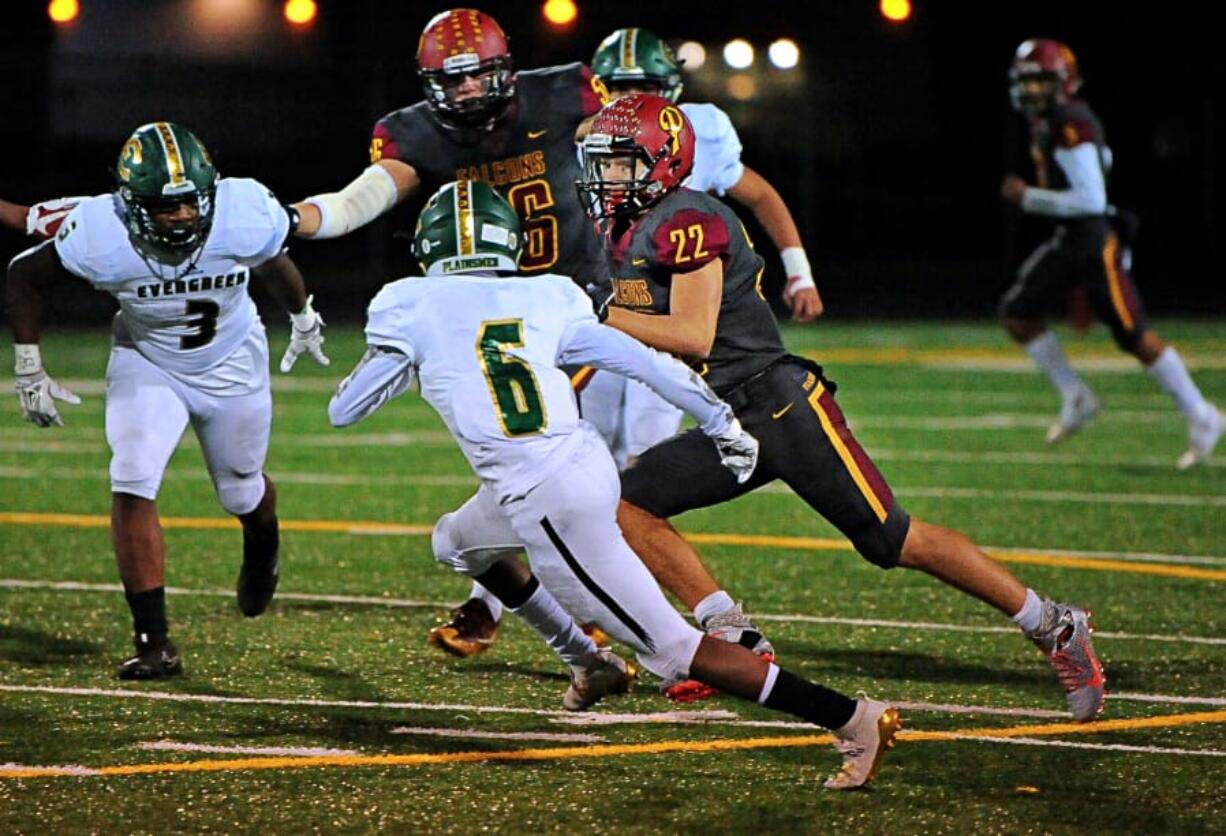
x,y
672,655
131,474
881,545
239,492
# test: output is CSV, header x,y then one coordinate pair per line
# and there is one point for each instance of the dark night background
x,y
888,143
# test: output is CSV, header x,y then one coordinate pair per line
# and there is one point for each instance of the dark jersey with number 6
x,y
683,232
529,157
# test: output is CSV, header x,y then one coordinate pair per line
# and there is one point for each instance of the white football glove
x,y
38,393
43,219
738,450
306,334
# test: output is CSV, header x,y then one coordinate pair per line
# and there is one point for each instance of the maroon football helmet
x,y
465,68
640,148
1044,74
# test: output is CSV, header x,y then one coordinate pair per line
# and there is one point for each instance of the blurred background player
x,y
480,120
177,248
1071,165
487,347
686,283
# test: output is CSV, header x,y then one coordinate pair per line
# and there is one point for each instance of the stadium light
x,y
738,54
896,11
300,12
741,87
63,11
784,53
560,12
692,55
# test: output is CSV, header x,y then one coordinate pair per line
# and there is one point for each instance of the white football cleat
x,y
608,674
1075,413
862,743
1203,436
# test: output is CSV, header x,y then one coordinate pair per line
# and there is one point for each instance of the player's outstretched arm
x,y
757,195
586,343
382,374
13,215
36,390
376,190
284,281
42,220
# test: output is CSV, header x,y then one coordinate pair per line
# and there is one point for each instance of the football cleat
x,y
471,630
1064,635
1075,413
1203,436
152,661
732,626
608,674
863,742
598,636
257,580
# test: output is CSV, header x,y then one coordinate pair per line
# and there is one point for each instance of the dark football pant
x,y
1058,265
805,441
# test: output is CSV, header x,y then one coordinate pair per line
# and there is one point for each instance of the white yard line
x,y
273,751
1106,747
41,769
477,734
796,618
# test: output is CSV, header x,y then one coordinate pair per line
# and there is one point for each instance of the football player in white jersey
x,y
485,347
177,248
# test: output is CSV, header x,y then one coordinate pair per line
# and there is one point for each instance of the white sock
x,y
488,597
1031,613
545,615
1047,354
772,673
1172,375
714,604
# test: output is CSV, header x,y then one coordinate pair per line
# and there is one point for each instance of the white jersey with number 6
x,y
190,325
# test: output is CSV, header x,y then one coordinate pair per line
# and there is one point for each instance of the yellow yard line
x,y
759,540
613,750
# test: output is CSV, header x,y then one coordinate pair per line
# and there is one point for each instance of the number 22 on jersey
x,y
517,397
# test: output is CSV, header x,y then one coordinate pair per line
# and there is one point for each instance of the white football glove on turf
x,y
738,450
306,334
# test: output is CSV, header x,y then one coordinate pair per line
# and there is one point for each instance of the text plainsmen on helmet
x,y
637,58
467,226
640,148
461,44
161,166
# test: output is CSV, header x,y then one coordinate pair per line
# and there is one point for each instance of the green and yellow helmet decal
x,y
637,57
467,226
162,165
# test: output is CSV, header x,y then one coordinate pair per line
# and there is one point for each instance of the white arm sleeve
x,y
1087,192
588,343
359,203
381,375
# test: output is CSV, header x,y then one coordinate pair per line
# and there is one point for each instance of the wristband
x,y
305,319
28,358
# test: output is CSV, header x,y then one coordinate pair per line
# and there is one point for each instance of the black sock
x,y
810,701
149,615
260,543
521,596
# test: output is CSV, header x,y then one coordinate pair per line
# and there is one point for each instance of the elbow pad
x,y
359,203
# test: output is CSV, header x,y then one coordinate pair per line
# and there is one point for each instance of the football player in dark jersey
x,y
480,120
686,280
1071,164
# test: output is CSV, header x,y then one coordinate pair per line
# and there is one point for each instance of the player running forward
x,y
486,345
177,247
1072,162
686,282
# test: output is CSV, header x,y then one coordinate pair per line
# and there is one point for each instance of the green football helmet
x,y
467,226
161,166
638,58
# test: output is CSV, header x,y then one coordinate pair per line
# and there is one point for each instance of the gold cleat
x,y
863,743
471,630
600,637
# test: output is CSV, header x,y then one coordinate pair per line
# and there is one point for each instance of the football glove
x,y
601,296
306,335
738,450
38,393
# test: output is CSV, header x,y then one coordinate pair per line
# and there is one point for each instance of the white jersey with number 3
x,y
486,352
189,326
